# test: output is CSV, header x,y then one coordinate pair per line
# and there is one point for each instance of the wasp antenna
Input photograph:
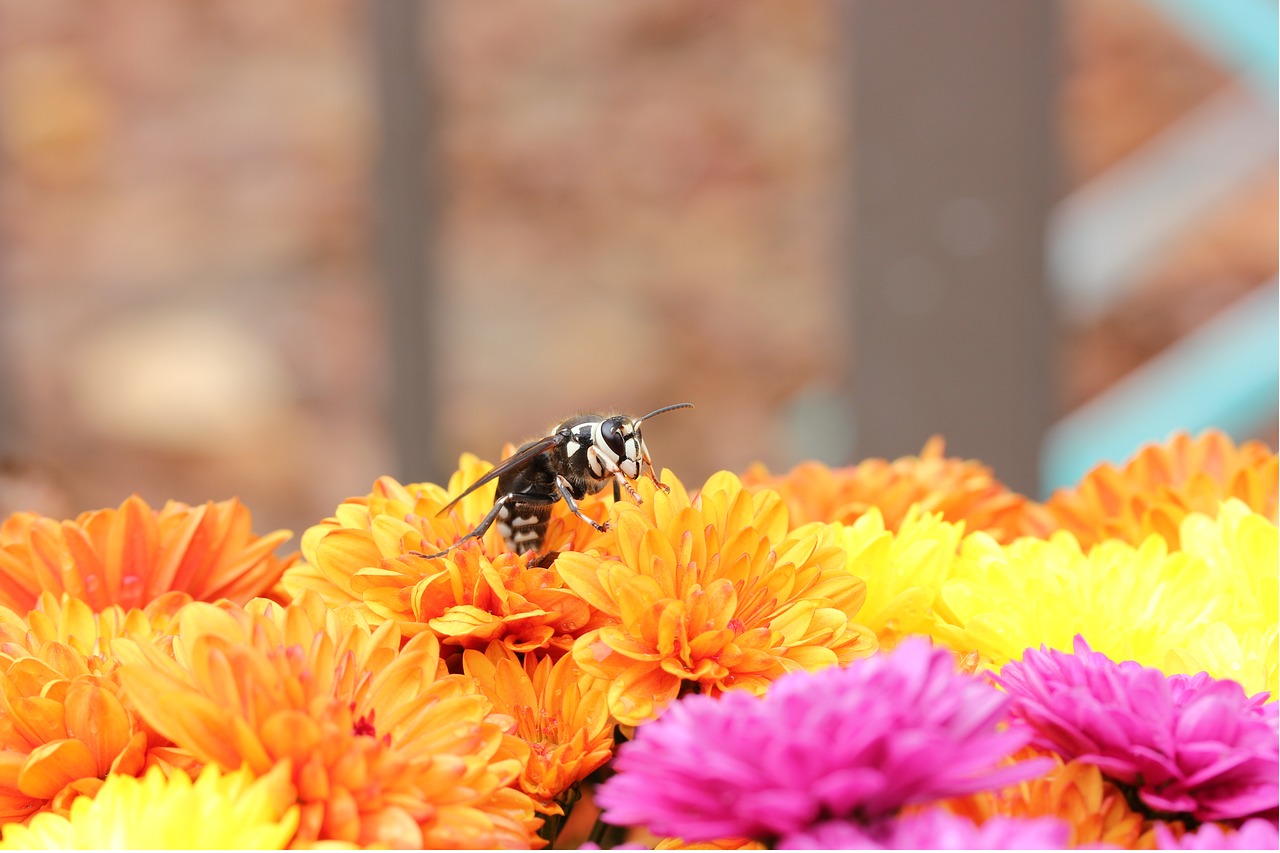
x,y
664,409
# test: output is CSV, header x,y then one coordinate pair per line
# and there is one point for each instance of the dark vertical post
x,y
952,175
404,226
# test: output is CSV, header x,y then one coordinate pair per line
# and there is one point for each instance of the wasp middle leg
x,y
565,488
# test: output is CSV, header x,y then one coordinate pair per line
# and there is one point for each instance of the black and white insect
x,y
579,457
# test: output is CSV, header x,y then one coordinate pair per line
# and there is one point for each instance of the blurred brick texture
x,y
642,206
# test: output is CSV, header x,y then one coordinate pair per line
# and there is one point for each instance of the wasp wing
x,y
515,461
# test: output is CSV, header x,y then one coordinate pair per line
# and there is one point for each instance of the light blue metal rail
x,y
1240,33
1227,373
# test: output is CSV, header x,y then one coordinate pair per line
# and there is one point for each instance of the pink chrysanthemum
x,y
1255,834
1183,745
855,743
934,829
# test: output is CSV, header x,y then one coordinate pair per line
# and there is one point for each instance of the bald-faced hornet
x,y
580,457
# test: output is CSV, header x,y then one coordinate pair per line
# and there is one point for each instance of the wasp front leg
x,y
565,488
653,474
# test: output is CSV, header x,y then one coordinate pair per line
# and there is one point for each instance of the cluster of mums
x,y
900,654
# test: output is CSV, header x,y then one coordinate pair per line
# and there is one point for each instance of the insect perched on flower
x,y
579,457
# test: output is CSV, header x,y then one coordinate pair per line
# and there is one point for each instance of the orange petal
x,y
53,765
133,758
96,717
131,547
61,802
640,693
38,719
640,598
581,573
342,816
290,734
392,827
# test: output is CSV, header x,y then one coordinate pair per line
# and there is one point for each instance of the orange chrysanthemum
x,y
560,711
713,594
1163,483
476,593
961,490
1094,809
134,554
385,747
63,726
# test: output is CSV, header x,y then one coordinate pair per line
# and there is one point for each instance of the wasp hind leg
x,y
484,525
565,489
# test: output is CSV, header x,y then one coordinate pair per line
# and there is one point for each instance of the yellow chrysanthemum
x,y
63,726
1242,551
713,594
1162,483
134,554
560,711
1074,792
477,593
903,571
959,489
1130,603
234,811
384,746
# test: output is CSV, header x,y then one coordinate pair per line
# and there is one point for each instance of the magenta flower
x,y
935,829
856,743
1185,745
1255,834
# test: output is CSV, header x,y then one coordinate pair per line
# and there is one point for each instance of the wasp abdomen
x,y
523,525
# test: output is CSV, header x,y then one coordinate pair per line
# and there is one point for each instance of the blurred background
x,y
271,251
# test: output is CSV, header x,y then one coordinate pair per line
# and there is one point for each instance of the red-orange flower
x,y
1163,483
134,554
961,490
63,726
713,594
370,556
385,747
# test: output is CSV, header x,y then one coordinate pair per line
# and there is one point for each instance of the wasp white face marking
x,y
571,448
598,442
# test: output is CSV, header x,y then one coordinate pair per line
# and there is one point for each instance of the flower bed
x,y
898,654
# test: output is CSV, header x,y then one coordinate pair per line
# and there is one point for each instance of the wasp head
x,y
619,441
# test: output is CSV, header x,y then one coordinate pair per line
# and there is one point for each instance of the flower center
x,y
1136,803
364,725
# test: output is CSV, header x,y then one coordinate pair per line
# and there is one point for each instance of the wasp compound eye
x,y
611,432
